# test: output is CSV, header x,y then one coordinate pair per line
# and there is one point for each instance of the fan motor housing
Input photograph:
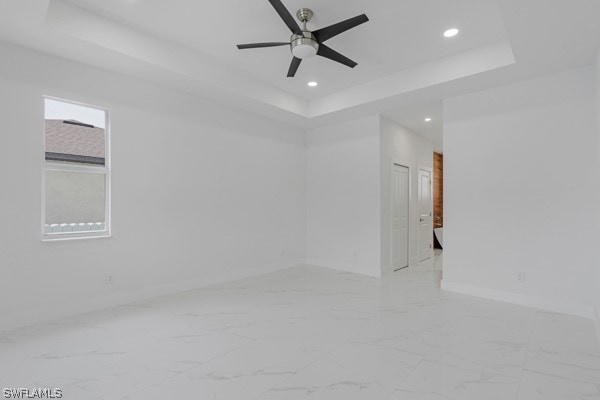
x,y
305,45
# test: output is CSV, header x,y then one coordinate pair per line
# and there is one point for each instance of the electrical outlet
x,y
110,279
521,277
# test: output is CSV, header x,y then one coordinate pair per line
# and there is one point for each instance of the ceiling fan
x,y
305,43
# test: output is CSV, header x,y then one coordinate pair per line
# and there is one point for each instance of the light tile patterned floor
x,y
311,333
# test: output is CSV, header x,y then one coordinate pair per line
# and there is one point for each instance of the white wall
x,y
402,146
344,196
597,263
521,177
201,193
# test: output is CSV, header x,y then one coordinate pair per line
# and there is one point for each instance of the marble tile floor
x,y
311,333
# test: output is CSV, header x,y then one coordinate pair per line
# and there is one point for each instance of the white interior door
x,y
400,215
425,215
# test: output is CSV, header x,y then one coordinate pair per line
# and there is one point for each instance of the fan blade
x,y
328,52
257,45
286,16
330,31
294,67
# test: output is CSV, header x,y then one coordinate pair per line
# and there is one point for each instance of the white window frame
x,y
104,170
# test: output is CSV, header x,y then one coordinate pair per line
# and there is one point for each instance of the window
x,y
76,171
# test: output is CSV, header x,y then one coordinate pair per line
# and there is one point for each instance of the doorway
x,y
425,215
400,216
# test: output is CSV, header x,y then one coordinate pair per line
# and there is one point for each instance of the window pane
x,y
74,133
75,201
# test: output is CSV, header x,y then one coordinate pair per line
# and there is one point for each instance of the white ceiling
x,y
382,46
405,67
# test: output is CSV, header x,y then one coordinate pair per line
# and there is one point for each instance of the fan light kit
x,y
305,43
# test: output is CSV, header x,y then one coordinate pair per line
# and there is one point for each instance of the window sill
x,y
58,237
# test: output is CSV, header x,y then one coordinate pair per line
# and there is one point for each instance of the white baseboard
x,y
357,269
578,310
41,315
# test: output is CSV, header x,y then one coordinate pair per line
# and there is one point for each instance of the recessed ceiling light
x,y
451,32
428,119
312,84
